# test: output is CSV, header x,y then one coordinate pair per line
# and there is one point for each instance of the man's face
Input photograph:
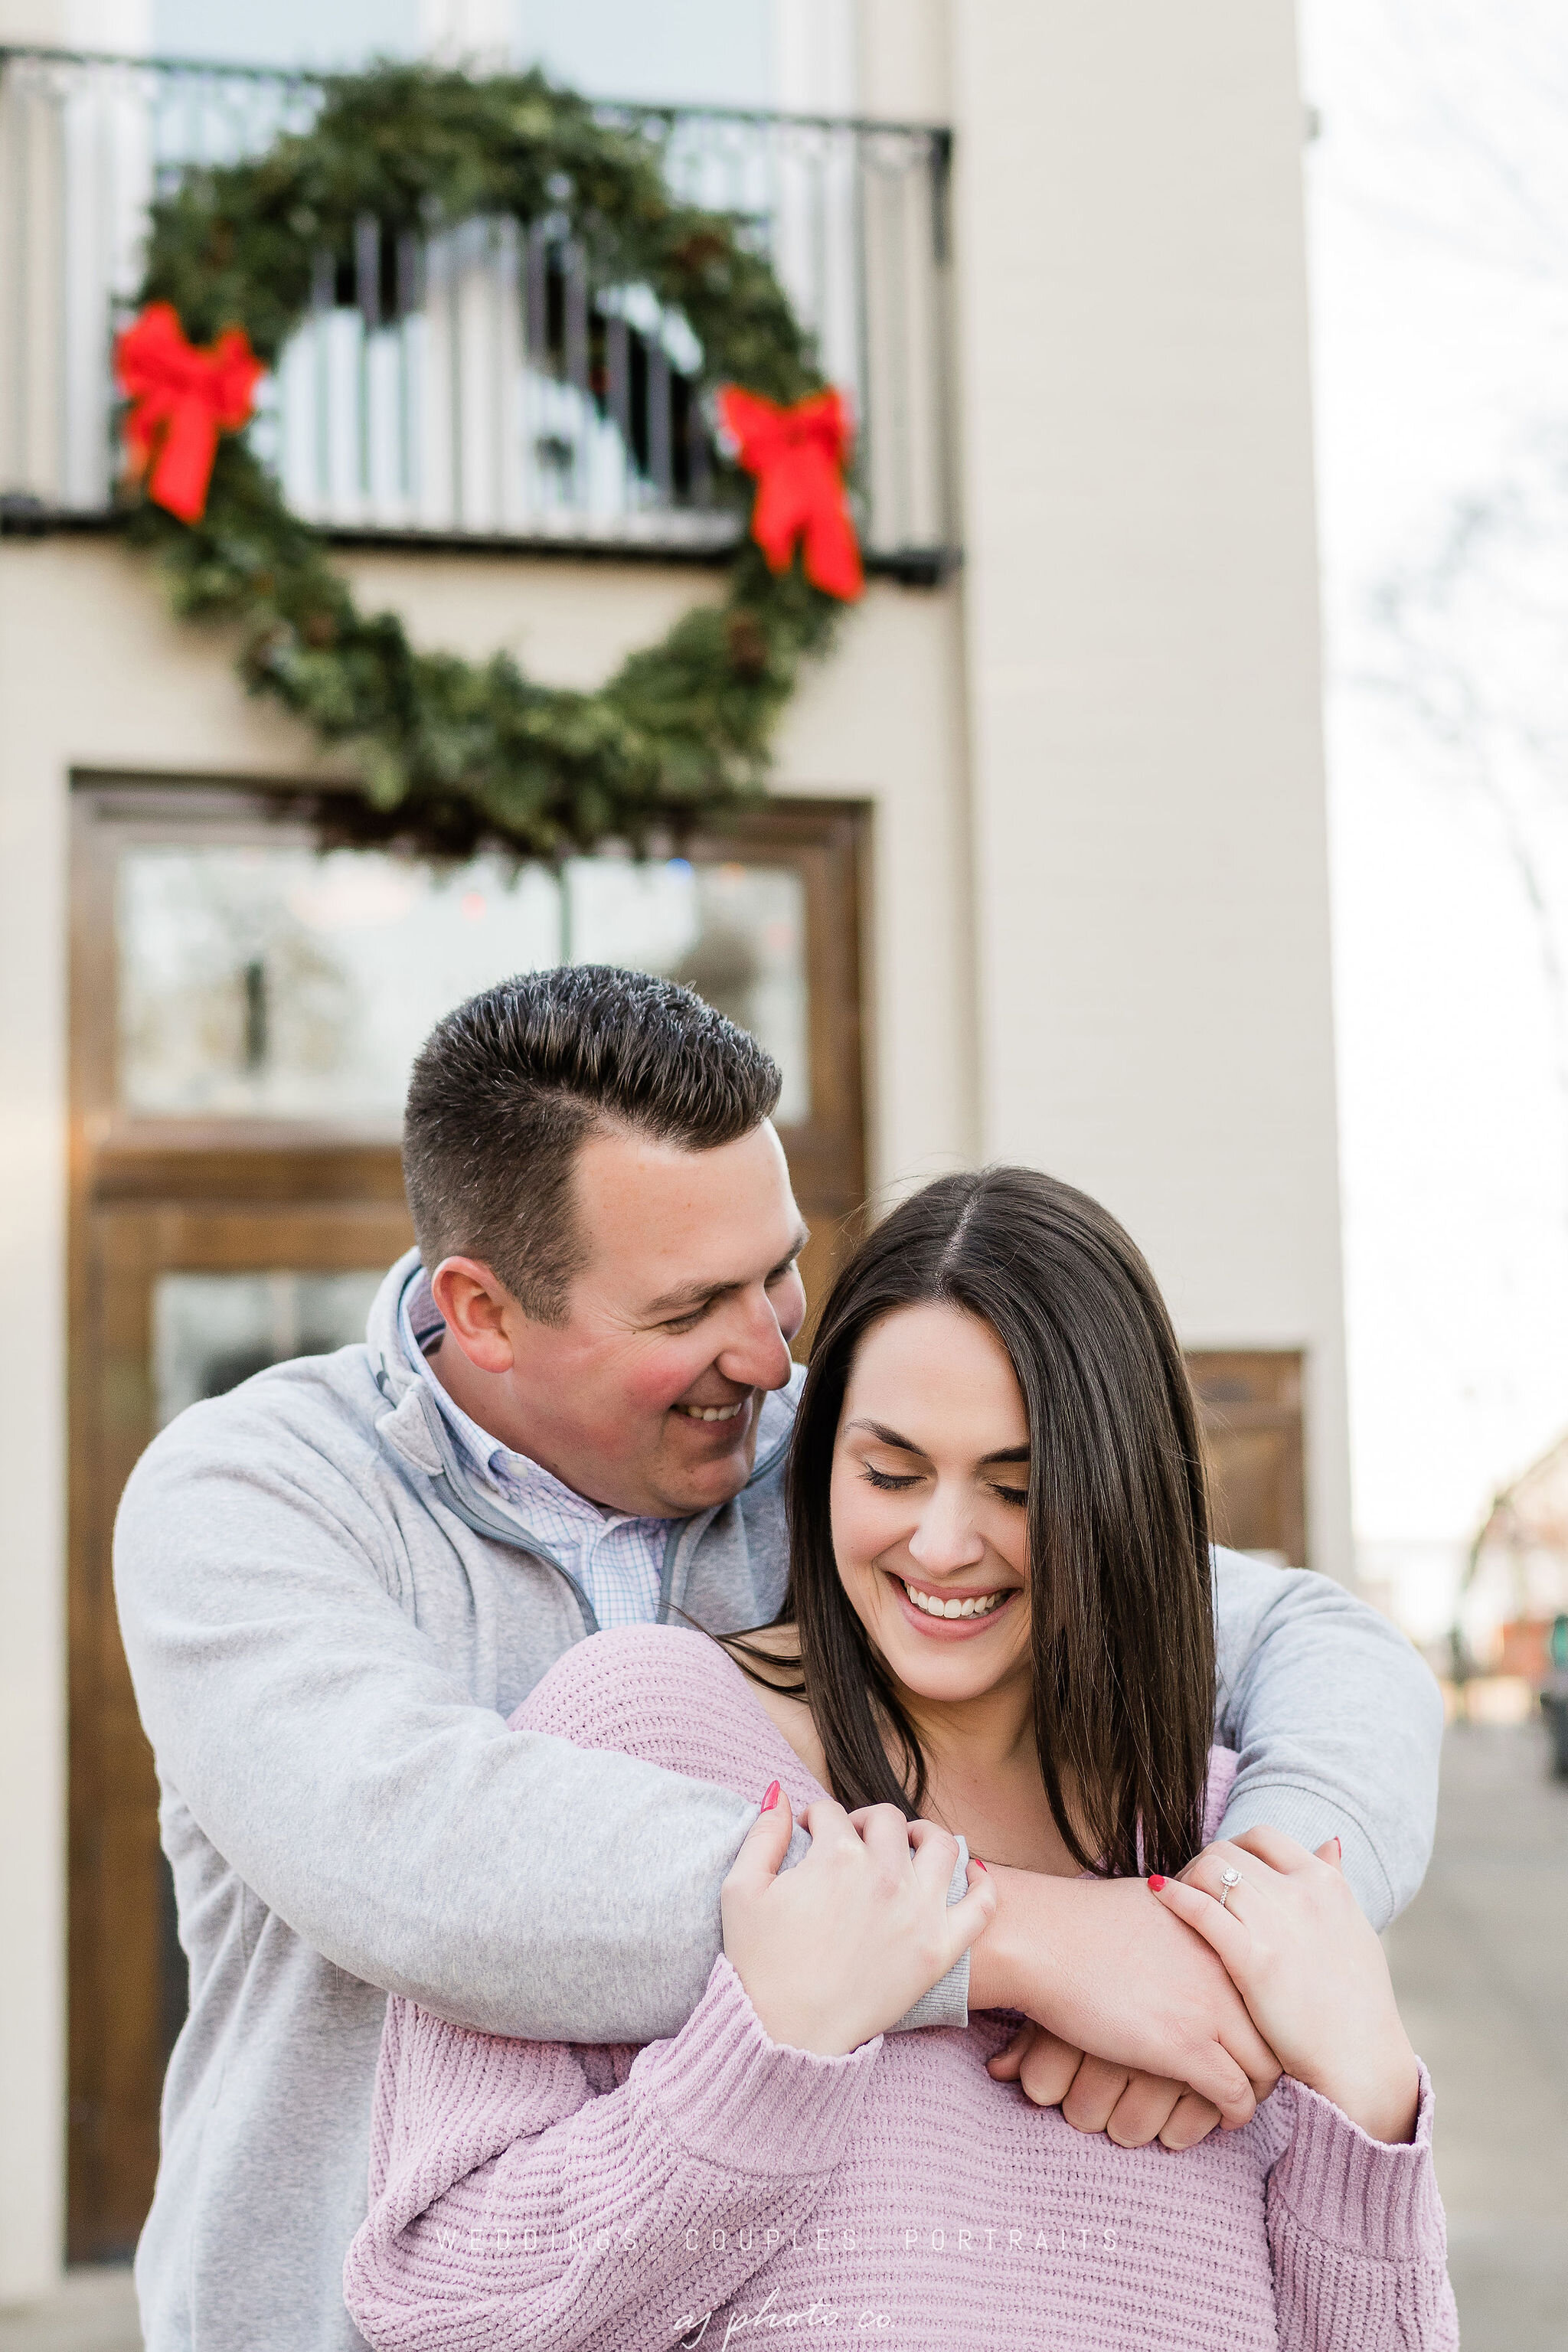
x,y
646,1398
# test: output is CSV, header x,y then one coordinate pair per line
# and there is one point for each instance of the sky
x,y
1438,209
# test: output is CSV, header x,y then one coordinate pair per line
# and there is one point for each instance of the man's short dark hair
x,y
507,1088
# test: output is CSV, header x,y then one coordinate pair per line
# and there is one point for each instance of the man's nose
x,y
755,1355
944,1537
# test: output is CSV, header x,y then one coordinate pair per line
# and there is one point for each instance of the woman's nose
x,y
946,1538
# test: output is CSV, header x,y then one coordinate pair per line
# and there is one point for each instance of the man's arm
x,y
1337,1721
506,1881
1086,1959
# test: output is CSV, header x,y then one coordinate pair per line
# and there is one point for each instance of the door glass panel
x,y
267,981
277,982
734,933
210,1331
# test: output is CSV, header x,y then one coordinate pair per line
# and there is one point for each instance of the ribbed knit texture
x,y
715,2188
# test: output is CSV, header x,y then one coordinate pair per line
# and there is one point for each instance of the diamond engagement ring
x,y
1227,1879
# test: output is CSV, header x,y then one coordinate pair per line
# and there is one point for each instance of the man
x,y
570,1410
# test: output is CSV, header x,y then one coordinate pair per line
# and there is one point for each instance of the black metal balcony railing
x,y
477,385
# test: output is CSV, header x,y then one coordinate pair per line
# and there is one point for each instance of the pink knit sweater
x,y
716,2188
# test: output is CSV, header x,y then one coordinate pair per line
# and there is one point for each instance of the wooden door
x,y
1250,1399
127,1978
234,1194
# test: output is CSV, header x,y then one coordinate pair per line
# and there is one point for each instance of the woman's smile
x,y
947,1616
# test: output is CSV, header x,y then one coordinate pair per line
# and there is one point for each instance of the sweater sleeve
x,y
510,2205
326,1752
1356,2233
1337,1723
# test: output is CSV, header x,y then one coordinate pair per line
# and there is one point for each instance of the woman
x,y
999,1626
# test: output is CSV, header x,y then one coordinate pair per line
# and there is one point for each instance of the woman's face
x,y
930,1469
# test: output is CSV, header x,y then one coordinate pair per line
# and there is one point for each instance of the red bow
x,y
797,456
182,398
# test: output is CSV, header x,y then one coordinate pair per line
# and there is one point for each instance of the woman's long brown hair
x,y
1120,1603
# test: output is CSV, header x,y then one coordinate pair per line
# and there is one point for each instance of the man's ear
x,y
475,1303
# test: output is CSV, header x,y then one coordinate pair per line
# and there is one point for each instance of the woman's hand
x,y
1310,1970
835,1951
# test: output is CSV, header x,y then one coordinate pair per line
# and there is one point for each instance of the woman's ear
x,y
475,1305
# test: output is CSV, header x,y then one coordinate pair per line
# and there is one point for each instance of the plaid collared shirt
x,y
618,1561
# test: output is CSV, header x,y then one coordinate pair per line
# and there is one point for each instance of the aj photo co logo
x,y
724,2328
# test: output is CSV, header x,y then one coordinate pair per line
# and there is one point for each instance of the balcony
x,y
477,387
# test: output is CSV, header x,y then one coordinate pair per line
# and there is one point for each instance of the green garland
x,y
451,754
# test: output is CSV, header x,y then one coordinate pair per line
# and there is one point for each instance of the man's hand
x,y
1129,2107
1145,2018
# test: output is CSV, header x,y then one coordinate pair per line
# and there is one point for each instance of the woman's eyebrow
x,y
887,1436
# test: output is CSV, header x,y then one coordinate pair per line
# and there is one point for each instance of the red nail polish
x,y
974,1858
1155,1882
771,1797
1338,1847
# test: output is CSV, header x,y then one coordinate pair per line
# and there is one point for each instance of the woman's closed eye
x,y
897,1482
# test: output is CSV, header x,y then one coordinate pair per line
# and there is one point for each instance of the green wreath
x,y
452,754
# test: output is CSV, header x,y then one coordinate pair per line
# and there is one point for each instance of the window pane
x,y
266,981
734,933
275,982
210,1331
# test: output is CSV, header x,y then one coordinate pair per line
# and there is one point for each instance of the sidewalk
x,y
95,2311
1480,1961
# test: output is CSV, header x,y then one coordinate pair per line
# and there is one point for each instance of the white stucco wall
x,y
1150,874
32,1518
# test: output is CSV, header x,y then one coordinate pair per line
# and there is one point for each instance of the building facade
x,y
1043,876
